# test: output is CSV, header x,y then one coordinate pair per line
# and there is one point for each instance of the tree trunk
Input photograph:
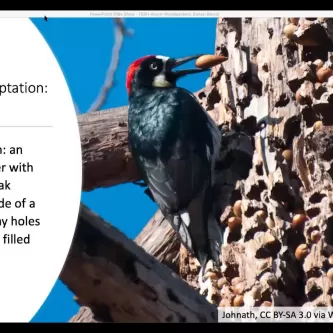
x,y
278,249
120,282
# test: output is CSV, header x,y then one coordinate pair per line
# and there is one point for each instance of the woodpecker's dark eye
x,y
153,66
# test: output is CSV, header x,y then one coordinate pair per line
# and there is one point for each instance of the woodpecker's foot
x,y
205,283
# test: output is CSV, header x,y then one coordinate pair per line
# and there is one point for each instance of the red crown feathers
x,y
132,68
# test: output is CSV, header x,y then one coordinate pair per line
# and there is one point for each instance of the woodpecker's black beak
x,y
173,63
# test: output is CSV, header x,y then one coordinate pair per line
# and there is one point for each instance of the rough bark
x,y
120,282
105,155
271,80
269,90
160,240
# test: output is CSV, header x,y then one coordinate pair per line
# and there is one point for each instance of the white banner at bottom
x,y
275,314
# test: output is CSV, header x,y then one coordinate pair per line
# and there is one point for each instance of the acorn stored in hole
x,y
330,260
237,209
238,288
317,125
330,273
225,303
315,236
294,20
221,282
210,60
211,275
266,303
324,73
289,30
238,301
270,279
235,280
262,214
298,221
318,63
288,155
270,223
234,222
299,98
301,252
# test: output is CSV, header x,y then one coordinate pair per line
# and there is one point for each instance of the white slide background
x,y
45,127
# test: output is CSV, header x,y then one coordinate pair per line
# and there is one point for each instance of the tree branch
x,y
105,154
120,32
120,282
159,239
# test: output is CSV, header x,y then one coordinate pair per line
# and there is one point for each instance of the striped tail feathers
x,y
215,236
180,223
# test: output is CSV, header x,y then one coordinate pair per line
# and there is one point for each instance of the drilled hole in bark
x,y
317,197
314,273
314,293
293,239
283,101
259,169
311,167
270,250
266,296
279,50
309,116
250,234
224,51
255,191
280,193
231,272
213,98
326,265
292,128
235,235
255,51
270,32
309,231
201,95
250,211
235,195
280,76
328,233
291,50
313,212
313,53
249,125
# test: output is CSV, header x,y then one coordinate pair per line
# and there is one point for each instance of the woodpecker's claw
x,y
206,285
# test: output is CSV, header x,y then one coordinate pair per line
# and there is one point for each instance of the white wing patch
x,y
185,216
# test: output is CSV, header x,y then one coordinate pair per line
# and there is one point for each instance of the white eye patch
x,y
160,80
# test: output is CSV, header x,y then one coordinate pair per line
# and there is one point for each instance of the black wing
x,y
176,180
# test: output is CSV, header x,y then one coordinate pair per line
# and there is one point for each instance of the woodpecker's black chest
x,y
155,121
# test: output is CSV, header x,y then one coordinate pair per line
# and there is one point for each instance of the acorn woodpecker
x,y
175,144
